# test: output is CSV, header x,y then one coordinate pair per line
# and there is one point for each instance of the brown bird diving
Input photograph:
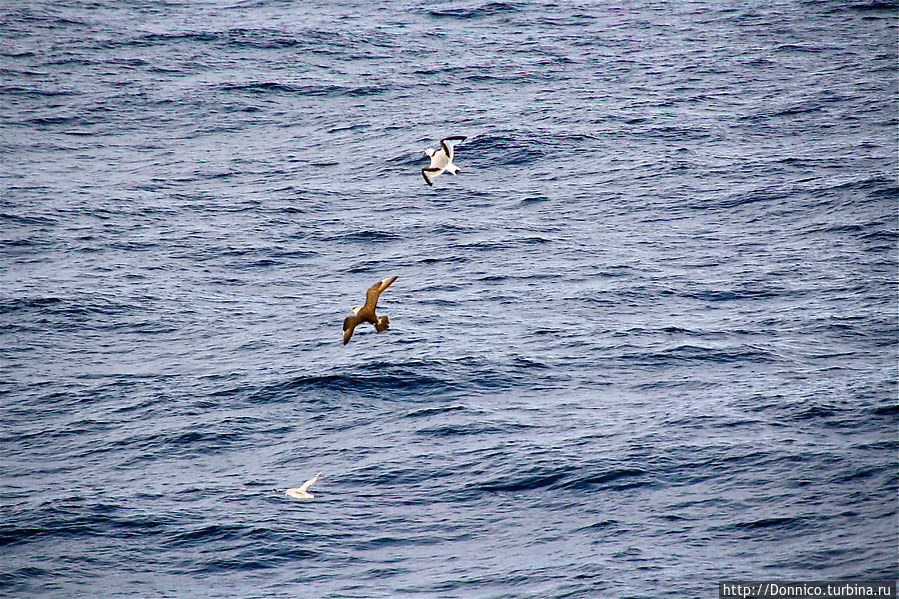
x,y
367,312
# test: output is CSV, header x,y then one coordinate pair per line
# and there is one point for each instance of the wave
x,y
421,379
873,5
484,10
508,148
555,477
692,353
887,410
363,236
76,517
739,295
28,219
467,429
87,305
616,478
522,482
779,522
375,380
274,87
35,91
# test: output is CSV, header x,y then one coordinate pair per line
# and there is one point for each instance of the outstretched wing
x,y
374,292
310,482
429,173
349,325
447,144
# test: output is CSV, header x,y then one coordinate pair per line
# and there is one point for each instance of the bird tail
x,y
383,324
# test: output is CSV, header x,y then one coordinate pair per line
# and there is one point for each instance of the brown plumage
x,y
367,312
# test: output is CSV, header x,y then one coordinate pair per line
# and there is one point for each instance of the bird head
x,y
430,152
356,309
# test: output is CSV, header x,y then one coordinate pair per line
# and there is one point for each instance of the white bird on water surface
x,y
301,492
441,160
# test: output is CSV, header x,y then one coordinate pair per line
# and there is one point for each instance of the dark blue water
x,y
645,341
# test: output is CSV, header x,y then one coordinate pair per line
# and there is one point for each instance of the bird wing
x,y
374,292
349,325
447,145
310,482
429,173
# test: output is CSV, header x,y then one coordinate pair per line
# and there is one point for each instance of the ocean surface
x,y
645,341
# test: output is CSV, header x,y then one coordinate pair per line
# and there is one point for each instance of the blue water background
x,y
645,341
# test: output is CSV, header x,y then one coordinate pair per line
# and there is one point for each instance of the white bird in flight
x,y
367,312
441,160
301,491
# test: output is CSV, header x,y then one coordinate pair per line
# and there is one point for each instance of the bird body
x,y
441,160
366,313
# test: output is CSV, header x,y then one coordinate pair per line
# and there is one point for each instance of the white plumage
x,y
441,160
